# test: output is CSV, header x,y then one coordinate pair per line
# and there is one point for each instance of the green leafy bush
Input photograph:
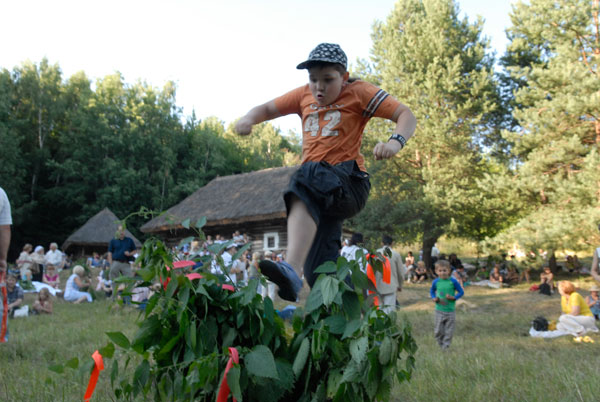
x,y
337,348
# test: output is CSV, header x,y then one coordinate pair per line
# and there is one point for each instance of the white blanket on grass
x,y
547,334
39,286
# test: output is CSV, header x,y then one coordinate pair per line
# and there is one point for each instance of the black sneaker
x,y
284,276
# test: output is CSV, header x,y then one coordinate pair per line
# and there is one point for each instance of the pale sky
x,y
225,56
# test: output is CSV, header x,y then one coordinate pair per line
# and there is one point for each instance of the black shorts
x,y
331,193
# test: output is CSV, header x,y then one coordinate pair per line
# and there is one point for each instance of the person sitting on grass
x,y
15,296
593,301
75,286
332,183
444,292
577,318
51,277
43,304
104,283
546,281
420,272
460,275
495,277
512,275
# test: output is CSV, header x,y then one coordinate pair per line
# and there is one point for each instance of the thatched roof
x,y
97,231
230,200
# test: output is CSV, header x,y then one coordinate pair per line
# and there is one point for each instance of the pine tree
x,y
438,65
553,61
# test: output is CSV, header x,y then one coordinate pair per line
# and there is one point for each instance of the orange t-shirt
x,y
333,133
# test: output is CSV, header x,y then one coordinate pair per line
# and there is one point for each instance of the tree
x,y
437,64
553,62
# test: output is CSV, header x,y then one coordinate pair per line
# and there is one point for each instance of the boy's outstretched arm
x,y
406,122
258,114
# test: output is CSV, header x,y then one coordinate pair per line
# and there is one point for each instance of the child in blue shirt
x,y
444,292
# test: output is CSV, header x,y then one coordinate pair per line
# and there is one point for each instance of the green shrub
x,y
341,349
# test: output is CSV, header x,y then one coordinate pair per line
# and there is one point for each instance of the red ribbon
x,y
4,307
195,275
98,366
224,390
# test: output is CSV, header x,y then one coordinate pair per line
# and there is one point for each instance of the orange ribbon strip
x,y
387,275
4,307
224,390
98,366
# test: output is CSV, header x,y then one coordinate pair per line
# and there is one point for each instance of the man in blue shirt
x,y
120,251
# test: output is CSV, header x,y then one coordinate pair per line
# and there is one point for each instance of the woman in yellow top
x,y
577,318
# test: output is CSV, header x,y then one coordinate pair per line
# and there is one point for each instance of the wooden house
x,y
249,202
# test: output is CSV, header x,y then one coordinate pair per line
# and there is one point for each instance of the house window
x,y
271,241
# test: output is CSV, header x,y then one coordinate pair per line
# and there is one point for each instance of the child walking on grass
x,y
332,183
444,292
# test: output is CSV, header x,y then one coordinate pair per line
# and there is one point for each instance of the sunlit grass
x,y
492,357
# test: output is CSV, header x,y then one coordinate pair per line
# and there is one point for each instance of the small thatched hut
x,y
249,202
95,235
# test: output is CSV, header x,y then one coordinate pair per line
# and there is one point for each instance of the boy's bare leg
x,y
301,230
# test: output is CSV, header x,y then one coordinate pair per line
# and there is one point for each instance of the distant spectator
x,y
43,304
495,276
355,251
25,263
460,275
95,261
51,277
409,261
76,284
512,275
238,238
420,272
577,318
14,295
546,281
120,253
55,257
593,301
39,259
104,283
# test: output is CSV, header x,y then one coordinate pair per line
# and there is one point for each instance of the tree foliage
x,y
553,62
70,148
437,64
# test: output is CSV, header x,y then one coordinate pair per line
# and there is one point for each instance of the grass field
x,y
492,358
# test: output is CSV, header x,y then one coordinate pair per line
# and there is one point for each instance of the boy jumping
x,y
444,291
332,183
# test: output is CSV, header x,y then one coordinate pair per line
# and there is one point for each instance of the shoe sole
x,y
272,271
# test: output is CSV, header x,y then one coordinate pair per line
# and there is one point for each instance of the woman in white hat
x,y
593,301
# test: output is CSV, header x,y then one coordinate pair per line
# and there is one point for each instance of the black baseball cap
x,y
327,52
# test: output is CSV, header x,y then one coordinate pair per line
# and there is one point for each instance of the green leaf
x,y
333,383
169,345
184,296
140,376
73,363
119,339
315,300
114,372
260,362
146,274
351,327
57,368
107,351
301,357
268,309
358,349
200,224
186,223
233,380
336,323
359,279
351,305
326,268
329,288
